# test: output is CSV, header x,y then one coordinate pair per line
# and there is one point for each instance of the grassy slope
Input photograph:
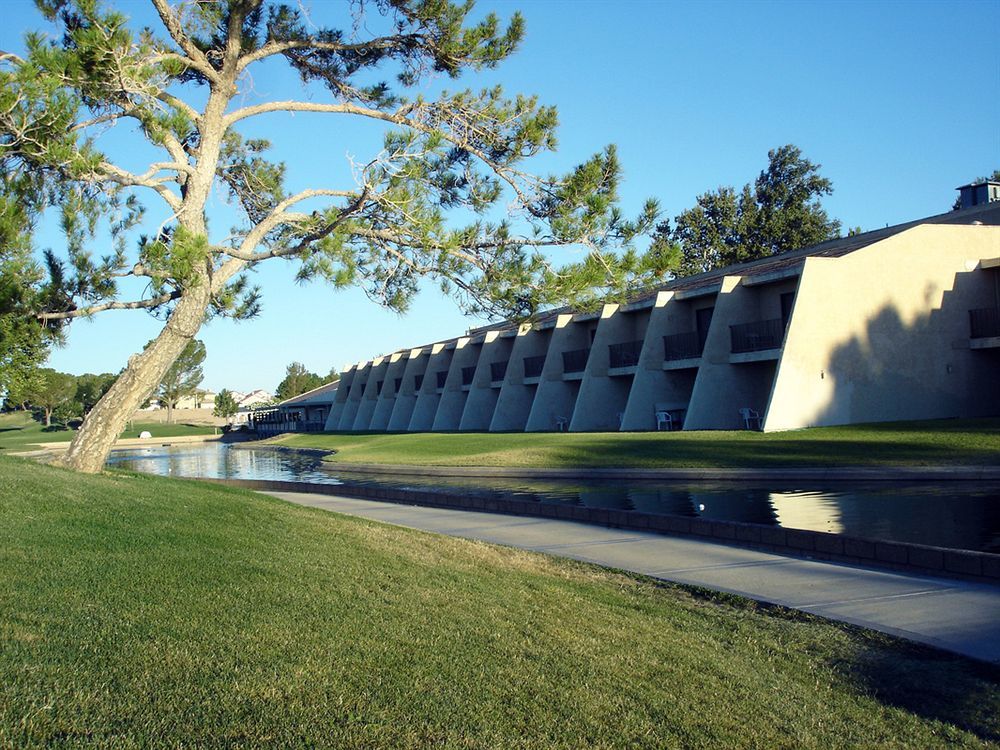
x,y
135,609
902,443
18,431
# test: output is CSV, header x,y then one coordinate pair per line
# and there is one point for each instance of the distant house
x,y
306,412
197,400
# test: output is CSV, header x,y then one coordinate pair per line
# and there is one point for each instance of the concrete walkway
x,y
953,615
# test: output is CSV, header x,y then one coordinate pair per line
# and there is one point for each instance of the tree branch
x,y
399,117
195,56
127,179
144,304
381,43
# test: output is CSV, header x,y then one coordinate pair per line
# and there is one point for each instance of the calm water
x,y
964,515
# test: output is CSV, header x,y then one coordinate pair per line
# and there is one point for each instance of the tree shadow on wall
x,y
900,370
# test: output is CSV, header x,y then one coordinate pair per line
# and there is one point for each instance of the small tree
x,y
52,391
182,377
225,404
779,212
91,388
297,380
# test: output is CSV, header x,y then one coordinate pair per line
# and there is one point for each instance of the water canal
x,y
959,515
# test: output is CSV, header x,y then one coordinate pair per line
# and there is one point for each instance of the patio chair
x,y
562,424
751,419
663,419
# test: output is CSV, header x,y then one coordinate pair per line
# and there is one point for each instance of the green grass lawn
x,y
137,610
940,442
18,431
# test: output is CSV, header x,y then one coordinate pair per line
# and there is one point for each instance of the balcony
x,y
575,360
625,354
497,371
682,346
442,378
533,366
984,323
468,373
758,336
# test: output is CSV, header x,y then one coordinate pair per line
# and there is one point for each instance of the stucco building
x,y
895,324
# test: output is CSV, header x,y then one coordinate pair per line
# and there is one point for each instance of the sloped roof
x,y
321,395
987,213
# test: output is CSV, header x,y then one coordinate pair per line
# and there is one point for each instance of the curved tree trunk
x,y
89,449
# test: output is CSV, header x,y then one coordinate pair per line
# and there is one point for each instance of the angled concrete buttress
x,y
373,387
565,363
413,380
455,393
429,396
607,380
485,387
527,360
386,400
362,371
340,399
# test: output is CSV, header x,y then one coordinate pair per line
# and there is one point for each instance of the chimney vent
x,y
977,193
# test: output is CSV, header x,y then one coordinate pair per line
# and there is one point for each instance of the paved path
x,y
954,615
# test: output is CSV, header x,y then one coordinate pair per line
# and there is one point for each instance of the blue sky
x,y
899,102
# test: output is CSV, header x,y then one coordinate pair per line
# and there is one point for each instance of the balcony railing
x,y
533,366
984,323
497,371
467,374
755,337
442,378
682,346
575,360
418,381
625,354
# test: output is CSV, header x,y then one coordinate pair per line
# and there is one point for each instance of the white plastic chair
x,y
663,418
562,424
750,417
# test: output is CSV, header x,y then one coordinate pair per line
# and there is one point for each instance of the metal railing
x,y
625,354
468,373
575,360
682,346
758,336
442,378
984,323
533,366
497,371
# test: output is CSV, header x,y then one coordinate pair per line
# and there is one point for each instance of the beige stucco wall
x,y
883,333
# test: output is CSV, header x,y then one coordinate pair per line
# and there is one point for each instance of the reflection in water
x,y
960,515
817,511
